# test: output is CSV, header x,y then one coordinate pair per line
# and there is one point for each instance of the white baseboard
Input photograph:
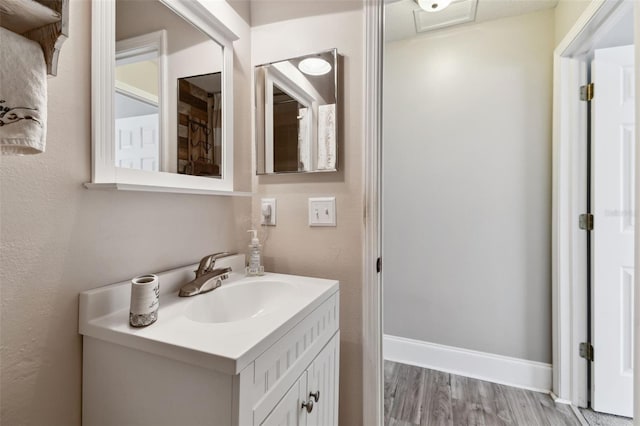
x,y
559,400
500,369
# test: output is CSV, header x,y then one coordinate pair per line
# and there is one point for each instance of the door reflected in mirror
x,y
137,110
168,92
296,114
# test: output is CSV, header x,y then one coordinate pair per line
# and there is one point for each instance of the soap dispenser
x,y
255,267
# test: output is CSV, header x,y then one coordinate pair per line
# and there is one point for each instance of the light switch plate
x,y
322,211
268,211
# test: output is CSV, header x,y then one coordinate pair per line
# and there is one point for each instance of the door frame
x,y
569,244
372,360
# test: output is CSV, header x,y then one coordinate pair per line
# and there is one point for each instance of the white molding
x,y
372,360
102,101
136,93
132,49
558,400
155,188
580,39
500,369
195,12
636,324
569,300
103,48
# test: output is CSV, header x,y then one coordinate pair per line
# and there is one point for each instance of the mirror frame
x,y
104,173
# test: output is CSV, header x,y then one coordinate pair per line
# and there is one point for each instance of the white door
x,y
137,145
613,204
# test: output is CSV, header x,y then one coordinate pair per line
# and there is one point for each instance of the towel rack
x,y
43,21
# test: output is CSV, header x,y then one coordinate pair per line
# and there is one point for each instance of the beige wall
x,y
142,75
566,14
292,246
274,11
58,239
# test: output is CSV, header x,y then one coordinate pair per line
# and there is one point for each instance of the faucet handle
x,y
208,262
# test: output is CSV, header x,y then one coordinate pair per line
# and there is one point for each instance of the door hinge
x,y
586,351
379,265
586,92
585,221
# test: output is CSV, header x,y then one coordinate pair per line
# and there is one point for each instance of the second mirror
x,y
296,114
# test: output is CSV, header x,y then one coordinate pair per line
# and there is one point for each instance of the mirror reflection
x,y
137,111
296,114
168,96
200,125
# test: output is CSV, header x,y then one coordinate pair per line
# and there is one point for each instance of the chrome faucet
x,y
207,276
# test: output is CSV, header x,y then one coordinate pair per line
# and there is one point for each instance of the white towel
x,y
304,148
23,95
327,137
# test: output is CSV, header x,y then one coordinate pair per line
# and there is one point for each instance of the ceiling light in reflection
x,y
314,66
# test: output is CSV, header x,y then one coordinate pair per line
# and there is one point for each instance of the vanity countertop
x,y
224,346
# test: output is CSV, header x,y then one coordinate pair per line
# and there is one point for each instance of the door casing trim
x,y
569,199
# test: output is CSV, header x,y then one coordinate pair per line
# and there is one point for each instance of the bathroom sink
x,y
224,329
240,301
228,355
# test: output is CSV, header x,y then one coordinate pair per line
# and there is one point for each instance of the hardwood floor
x,y
417,396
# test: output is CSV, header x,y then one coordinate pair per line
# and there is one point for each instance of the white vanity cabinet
x,y
257,371
316,389
304,361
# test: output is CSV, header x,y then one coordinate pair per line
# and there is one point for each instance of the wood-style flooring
x,y
418,396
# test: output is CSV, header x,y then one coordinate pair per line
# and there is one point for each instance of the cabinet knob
x,y
315,395
308,405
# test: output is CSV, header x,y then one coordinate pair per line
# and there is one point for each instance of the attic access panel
x,y
458,12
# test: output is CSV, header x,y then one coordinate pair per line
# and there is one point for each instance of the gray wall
x,y
467,187
58,239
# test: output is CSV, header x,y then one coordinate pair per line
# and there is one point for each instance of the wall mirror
x,y
297,114
162,96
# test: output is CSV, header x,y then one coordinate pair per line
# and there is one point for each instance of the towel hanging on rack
x,y
23,95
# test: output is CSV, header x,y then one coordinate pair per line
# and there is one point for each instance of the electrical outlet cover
x,y
268,212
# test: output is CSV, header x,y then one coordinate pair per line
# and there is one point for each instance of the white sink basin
x,y
223,330
240,301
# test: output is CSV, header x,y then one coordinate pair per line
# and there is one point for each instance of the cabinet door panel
x,y
322,377
289,411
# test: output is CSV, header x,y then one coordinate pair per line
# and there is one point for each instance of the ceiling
x,y
400,22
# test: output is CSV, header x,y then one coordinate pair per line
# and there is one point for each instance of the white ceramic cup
x,y
145,299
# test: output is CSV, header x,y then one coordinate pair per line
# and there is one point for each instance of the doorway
x,y
569,306
466,251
